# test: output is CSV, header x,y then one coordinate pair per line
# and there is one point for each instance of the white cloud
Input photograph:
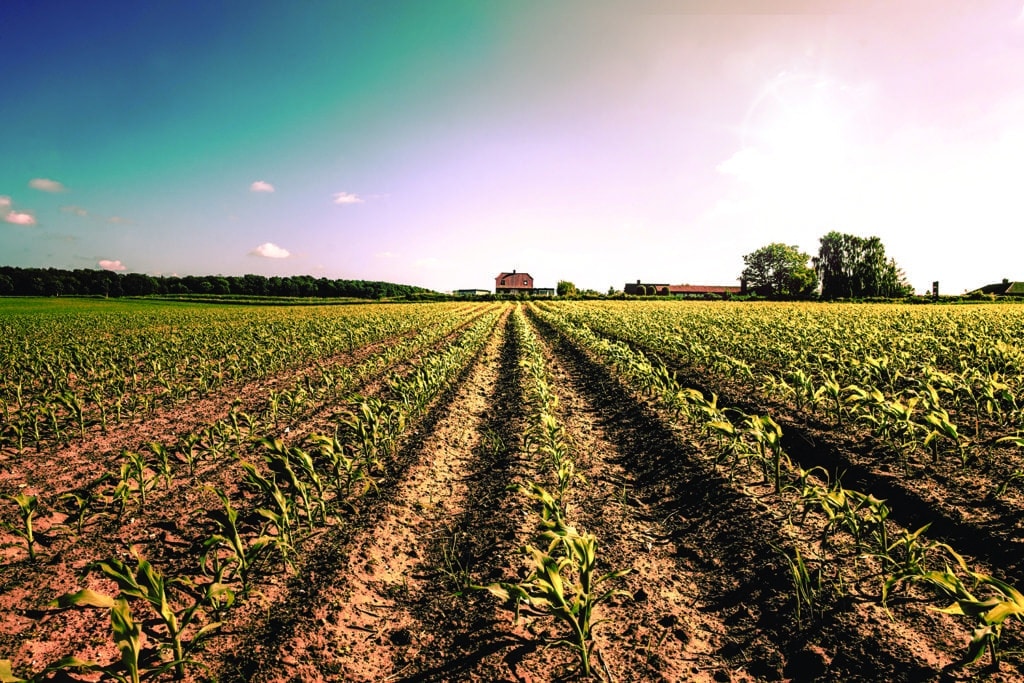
x,y
106,264
46,185
20,218
386,254
270,250
347,198
261,186
77,210
5,202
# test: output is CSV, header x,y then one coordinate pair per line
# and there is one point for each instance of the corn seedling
x,y
280,517
567,588
241,556
989,613
80,506
1015,476
134,470
347,472
74,406
162,462
909,557
187,450
145,583
767,435
808,586
136,662
280,458
27,506
944,429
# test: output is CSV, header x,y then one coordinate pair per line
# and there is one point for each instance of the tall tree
x,y
565,288
781,269
850,267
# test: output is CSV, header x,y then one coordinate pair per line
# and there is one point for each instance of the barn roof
x,y
701,289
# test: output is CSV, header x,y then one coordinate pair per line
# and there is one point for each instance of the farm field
x,y
536,491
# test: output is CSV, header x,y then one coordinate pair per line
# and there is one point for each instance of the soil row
x,y
395,589
169,532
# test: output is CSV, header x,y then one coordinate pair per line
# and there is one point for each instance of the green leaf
x,y
7,673
83,598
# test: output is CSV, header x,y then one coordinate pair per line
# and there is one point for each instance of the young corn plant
x,y
567,587
910,556
136,662
134,469
279,517
809,489
373,427
943,429
804,391
188,451
989,613
82,505
27,506
767,435
280,459
162,462
840,507
181,628
347,473
74,406
241,556
147,584
729,444
808,586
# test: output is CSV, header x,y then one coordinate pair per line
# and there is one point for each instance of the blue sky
x,y
440,143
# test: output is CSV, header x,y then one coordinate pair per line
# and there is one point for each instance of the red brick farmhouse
x,y
513,283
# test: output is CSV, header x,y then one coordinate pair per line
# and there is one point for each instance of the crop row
x,y
284,490
874,548
563,580
931,386
70,375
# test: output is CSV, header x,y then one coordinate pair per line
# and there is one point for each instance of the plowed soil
x,y
391,589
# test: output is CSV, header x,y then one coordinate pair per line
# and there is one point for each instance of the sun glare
x,y
798,122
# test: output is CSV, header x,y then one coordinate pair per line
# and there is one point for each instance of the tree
x,y
566,288
852,267
780,270
138,284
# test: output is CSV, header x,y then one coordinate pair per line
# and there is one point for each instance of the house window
x,y
503,282
525,284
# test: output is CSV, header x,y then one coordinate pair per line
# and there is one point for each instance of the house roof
x,y
701,289
1006,288
501,275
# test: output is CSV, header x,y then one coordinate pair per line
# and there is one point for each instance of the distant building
x,y
513,283
659,289
1004,288
471,292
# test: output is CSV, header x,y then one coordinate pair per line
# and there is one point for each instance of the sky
x,y
439,143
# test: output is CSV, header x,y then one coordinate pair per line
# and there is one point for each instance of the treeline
x,y
846,267
56,282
